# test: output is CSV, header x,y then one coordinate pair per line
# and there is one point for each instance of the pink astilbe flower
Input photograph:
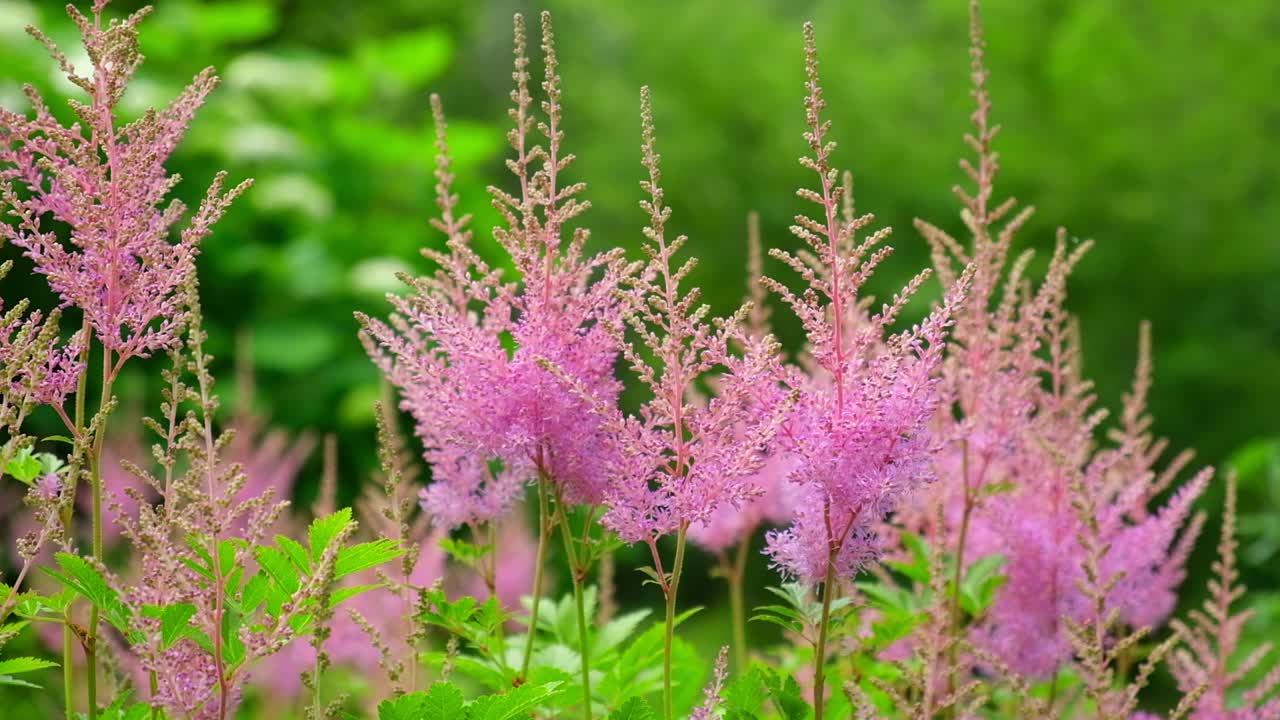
x,y
711,694
1019,422
109,185
1211,660
859,432
475,400
773,497
677,460
36,366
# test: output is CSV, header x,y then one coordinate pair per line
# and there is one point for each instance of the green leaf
x,y
175,622
24,466
443,701
515,704
18,665
297,554
746,693
343,594
278,566
616,631
464,552
786,696
360,557
324,530
633,709
82,577
981,581
405,707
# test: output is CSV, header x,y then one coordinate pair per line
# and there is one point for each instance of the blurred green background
x,y
1152,127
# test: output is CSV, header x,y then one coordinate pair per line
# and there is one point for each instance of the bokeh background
x,y
1153,128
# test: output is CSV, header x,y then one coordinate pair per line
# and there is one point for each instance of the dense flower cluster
x,y
859,433
468,350
1019,421
108,183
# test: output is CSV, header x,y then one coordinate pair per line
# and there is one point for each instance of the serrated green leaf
x,y
175,623
343,594
82,577
278,566
19,665
633,709
745,693
785,694
297,554
367,555
324,530
514,704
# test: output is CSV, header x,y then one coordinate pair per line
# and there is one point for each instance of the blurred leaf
x,y
292,346
410,58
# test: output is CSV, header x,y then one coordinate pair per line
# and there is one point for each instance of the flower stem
x,y
73,477
820,654
95,487
539,561
672,587
736,575
577,573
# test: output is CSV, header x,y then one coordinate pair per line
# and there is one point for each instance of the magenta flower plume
x,y
859,433
109,185
473,399
1019,426
677,460
772,498
36,366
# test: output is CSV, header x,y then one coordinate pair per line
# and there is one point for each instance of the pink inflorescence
x,y
470,352
681,457
859,432
1020,450
108,183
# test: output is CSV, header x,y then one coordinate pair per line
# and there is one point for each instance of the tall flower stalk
x,y
859,435
471,352
727,531
677,460
1019,425
108,183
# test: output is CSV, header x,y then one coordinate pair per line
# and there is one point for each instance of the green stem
x,y
543,519
73,477
736,575
672,587
820,655
155,689
95,486
577,573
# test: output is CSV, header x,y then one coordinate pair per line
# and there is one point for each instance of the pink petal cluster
x,y
469,352
1019,426
680,459
771,498
36,366
108,183
859,433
